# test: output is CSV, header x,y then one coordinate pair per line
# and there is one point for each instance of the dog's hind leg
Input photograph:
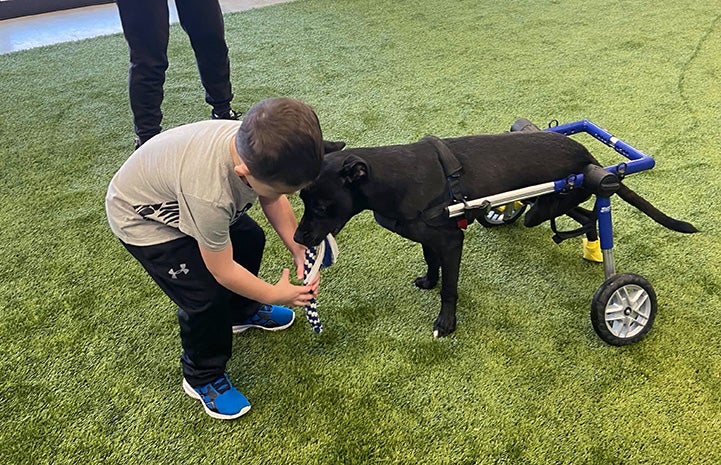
x,y
430,279
591,245
554,205
450,252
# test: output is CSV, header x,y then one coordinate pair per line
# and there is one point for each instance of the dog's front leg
x,y
430,279
450,257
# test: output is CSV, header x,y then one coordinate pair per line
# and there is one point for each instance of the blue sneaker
x,y
268,317
220,399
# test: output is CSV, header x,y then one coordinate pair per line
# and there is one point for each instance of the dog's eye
x,y
320,210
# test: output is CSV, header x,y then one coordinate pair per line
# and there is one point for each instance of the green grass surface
x,y
89,369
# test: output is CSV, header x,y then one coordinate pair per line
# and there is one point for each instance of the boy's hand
x,y
289,294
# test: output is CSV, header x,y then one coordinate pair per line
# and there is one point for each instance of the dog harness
x,y
452,169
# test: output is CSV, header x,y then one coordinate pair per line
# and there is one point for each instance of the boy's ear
x,y
332,146
354,170
241,169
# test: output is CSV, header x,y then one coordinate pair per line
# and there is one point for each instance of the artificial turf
x,y
89,369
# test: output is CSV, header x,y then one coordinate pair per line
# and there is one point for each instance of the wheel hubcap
x,y
628,311
504,212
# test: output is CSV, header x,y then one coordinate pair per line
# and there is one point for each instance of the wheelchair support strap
x,y
452,169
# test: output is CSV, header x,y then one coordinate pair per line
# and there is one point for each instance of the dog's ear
x,y
332,146
354,170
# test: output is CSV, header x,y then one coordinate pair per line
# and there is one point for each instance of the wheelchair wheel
x,y
503,214
623,309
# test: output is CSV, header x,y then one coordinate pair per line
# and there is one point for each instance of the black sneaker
x,y
228,114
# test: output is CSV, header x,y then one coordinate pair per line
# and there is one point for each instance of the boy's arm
x,y
281,216
234,277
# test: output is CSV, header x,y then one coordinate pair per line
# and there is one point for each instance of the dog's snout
x,y
300,237
308,236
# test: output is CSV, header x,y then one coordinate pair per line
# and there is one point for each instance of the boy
x,y
177,205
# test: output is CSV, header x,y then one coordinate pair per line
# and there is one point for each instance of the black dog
x,y
407,187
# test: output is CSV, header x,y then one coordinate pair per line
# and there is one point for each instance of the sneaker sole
x,y
240,328
191,392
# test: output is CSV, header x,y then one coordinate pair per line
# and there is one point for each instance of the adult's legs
x,y
203,21
146,30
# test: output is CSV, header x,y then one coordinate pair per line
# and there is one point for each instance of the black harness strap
x,y
452,169
588,226
561,236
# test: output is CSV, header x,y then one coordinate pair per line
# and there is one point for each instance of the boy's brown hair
x,y
280,141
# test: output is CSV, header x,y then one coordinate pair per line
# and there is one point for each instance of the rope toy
x,y
316,258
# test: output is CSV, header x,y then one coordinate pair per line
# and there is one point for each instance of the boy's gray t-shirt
x,y
181,182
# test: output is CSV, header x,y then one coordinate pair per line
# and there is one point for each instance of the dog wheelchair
x,y
624,307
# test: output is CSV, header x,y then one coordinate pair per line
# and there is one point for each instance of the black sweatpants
x,y
206,310
146,29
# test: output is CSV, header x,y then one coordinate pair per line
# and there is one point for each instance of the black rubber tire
x,y
623,309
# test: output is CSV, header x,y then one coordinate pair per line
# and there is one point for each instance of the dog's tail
x,y
654,213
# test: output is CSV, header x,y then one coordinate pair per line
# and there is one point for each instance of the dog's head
x,y
332,199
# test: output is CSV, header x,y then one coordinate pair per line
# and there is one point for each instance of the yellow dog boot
x,y
592,251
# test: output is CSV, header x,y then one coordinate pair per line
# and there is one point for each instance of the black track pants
x,y
206,310
146,29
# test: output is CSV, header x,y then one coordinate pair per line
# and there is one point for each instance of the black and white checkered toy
x,y
316,258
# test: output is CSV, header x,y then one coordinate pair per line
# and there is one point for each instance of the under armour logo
x,y
182,269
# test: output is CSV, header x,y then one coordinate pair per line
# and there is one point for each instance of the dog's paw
x,y
437,333
424,282
443,328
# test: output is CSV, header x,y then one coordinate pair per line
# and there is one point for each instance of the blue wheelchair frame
x,y
637,161
624,307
